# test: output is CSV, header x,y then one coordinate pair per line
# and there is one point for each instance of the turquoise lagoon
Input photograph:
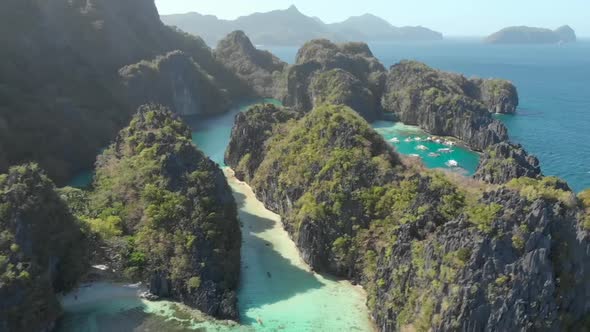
x,y
412,141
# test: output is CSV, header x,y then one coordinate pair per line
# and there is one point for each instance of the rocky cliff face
x,y
441,103
347,73
168,214
518,273
505,161
432,253
260,70
43,250
175,80
59,79
245,151
498,96
447,104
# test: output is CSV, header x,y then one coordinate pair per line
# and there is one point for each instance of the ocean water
x,y
553,120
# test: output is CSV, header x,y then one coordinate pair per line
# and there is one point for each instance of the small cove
x,y
412,141
277,288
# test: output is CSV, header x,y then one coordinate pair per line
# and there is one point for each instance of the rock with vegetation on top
x,y
250,131
498,96
433,252
43,250
167,214
503,162
447,104
261,70
347,74
60,93
531,35
176,80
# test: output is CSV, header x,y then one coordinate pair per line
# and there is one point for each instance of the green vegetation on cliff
x,y
167,214
61,99
430,249
585,199
43,250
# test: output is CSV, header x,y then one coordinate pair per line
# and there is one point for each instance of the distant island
x,y
530,35
291,27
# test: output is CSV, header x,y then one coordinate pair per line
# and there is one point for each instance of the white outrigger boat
x,y
452,163
394,140
422,148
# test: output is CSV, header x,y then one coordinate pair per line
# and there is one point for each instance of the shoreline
x,y
278,238
327,304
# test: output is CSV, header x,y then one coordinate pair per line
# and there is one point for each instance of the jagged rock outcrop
x,y
531,35
43,250
174,80
346,73
168,214
59,80
447,104
339,87
260,70
498,96
245,151
506,161
432,253
525,270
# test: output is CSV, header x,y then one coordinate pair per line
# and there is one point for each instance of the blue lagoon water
x,y
553,121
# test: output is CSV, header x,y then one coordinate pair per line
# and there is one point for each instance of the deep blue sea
x,y
553,121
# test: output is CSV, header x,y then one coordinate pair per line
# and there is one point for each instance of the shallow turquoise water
x,y
278,292
412,141
553,121
211,134
277,286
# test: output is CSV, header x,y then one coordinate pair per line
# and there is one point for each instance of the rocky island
x,y
167,215
432,253
530,35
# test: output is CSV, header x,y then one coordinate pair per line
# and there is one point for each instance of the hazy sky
x,y
451,17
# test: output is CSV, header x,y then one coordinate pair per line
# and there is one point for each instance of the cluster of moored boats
x,y
422,139
451,163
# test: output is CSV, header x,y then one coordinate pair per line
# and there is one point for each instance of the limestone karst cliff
x,y
432,252
43,250
168,214
260,70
